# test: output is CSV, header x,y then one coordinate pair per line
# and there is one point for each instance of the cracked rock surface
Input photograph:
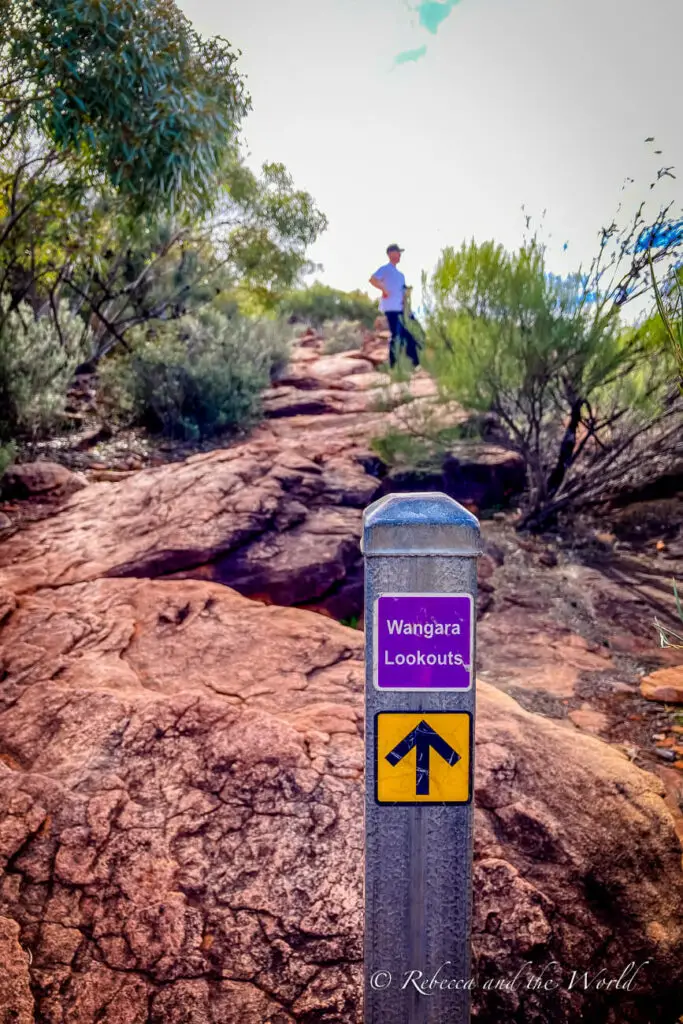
x,y
181,767
181,824
277,517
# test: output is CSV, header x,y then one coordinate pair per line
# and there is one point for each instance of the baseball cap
x,y
394,248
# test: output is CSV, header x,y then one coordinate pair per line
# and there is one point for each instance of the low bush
x,y
7,454
198,376
585,398
669,300
319,302
669,637
37,362
421,442
342,336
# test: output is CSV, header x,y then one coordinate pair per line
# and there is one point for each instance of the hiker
x,y
392,285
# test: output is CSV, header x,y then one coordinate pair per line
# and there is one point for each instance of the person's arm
x,y
377,282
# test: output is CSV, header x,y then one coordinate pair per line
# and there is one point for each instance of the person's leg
x,y
411,347
393,319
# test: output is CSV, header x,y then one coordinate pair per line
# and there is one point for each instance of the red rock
x,y
259,516
32,478
290,401
665,685
342,364
109,475
589,720
184,822
16,999
525,652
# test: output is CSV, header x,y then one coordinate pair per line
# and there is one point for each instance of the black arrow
x,y
423,737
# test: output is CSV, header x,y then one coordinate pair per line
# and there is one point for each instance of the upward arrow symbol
x,y
423,738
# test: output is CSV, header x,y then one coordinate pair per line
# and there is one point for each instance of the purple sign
x,y
423,642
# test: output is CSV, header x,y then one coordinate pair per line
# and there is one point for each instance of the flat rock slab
x,y
293,401
194,516
340,365
181,807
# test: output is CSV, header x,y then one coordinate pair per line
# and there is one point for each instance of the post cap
x,y
423,523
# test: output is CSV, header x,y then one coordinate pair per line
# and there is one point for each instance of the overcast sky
x,y
433,123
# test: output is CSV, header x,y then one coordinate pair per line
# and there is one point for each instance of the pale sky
x,y
535,102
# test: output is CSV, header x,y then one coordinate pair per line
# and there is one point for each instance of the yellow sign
x,y
423,757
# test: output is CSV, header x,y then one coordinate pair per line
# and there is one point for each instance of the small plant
x,y
399,450
342,336
7,454
583,396
667,637
670,309
37,362
198,376
352,621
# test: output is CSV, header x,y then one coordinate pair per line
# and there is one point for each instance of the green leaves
x,y
670,310
129,84
121,184
199,376
319,303
37,361
579,395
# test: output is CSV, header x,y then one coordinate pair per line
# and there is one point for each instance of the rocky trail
x,y
181,738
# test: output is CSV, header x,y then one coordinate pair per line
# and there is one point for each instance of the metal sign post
x,y
420,613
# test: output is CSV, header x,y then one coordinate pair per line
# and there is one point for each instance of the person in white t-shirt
x,y
392,284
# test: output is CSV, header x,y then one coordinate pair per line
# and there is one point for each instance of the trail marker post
x,y
420,615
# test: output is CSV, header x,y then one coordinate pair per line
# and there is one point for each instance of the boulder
x,y
181,825
28,479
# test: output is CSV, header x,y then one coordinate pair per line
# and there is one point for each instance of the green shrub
x,y
319,302
197,376
583,397
421,442
668,637
669,302
37,362
342,336
7,454
405,450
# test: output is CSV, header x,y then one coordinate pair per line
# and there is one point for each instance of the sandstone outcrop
x,y
181,824
262,516
181,768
